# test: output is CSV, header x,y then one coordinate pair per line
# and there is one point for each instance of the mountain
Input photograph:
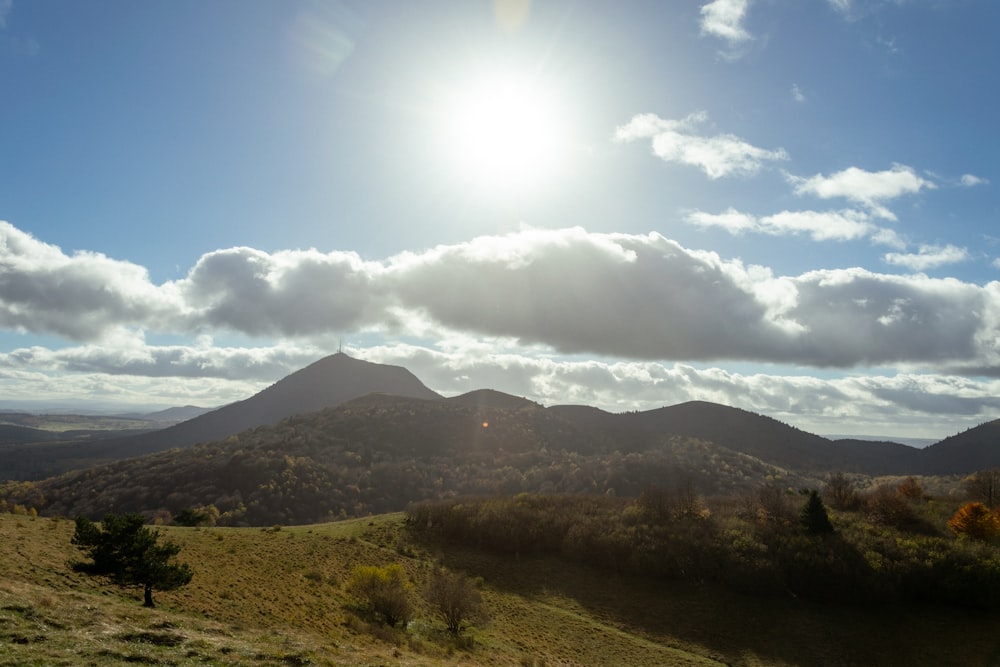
x,y
752,434
327,382
977,448
324,383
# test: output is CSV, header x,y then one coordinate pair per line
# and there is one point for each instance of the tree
x,y
127,552
773,505
456,599
910,488
814,517
384,590
984,487
887,507
190,517
975,520
841,494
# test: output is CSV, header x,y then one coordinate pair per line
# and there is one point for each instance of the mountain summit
x,y
322,384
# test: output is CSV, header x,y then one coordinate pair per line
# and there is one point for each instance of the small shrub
x,y
385,591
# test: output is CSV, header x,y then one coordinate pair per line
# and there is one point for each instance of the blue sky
x,y
784,206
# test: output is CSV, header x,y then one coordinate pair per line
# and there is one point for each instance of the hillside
x,y
277,598
394,441
974,449
379,453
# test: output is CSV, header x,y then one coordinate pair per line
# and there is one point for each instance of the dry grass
x,y
275,597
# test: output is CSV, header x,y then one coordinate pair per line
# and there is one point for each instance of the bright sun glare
x,y
504,134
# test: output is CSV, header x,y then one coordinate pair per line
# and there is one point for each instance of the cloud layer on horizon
x,y
570,291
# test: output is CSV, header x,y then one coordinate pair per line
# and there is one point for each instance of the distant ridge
x,y
490,398
177,414
977,448
753,434
322,384
384,392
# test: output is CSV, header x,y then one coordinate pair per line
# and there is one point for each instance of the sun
x,y
503,133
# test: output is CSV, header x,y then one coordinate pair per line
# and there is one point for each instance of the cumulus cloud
x,y
859,318
567,291
79,296
870,189
718,156
928,257
724,19
287,293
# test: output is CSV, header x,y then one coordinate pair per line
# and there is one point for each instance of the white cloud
x,y
928,257
970,180
797,94
79,296
287,293
730,220
718,156
724,19
5,7
888,237
867,188
841,6
567,291
846,225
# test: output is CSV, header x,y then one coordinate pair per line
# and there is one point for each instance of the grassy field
x,y
276,597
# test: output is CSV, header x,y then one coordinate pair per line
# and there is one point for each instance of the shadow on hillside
x,y
743,629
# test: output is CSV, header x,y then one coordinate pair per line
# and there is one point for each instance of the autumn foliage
x,y
976,521
384,592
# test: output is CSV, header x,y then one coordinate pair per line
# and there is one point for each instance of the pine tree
x,y
814,517
127,552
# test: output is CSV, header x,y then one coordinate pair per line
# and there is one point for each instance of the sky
x,y
788,207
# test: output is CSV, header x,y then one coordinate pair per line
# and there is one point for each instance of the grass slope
x,y
275,597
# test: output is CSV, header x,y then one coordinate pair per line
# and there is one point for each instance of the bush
x,y
456,600
385,591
